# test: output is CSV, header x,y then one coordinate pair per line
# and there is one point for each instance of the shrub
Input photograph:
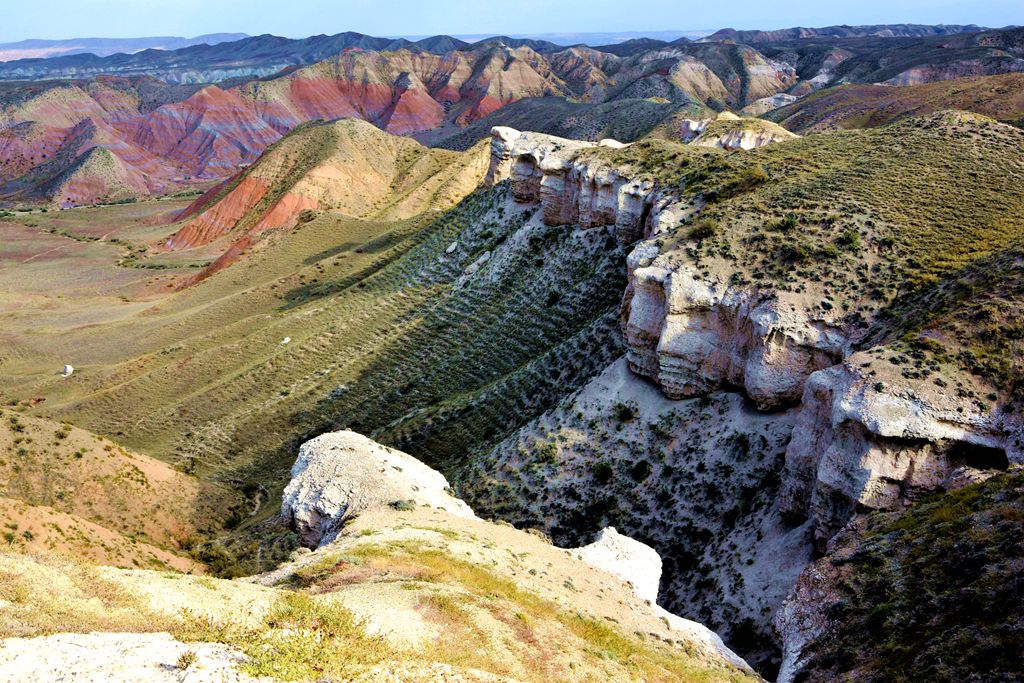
x,y
850,239
703,229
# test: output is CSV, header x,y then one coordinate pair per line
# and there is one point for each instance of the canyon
x,y
439,395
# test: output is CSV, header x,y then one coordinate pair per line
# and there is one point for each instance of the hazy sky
x,y
296,18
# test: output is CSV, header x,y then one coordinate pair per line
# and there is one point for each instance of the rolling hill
x,y
866,106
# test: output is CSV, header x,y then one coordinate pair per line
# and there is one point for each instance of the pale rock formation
x,y
341,474
693,336
767,104
689,129
745,138
117,658
860,444
633,561
729,131
573,190
640,566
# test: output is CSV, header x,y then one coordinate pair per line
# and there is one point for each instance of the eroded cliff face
x,y
575,190
860,444
855,432
693,334
866,437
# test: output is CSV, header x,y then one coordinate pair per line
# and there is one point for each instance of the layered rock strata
x,y
574,190
693,335
860,445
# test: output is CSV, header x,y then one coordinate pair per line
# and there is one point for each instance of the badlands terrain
x,y
351,358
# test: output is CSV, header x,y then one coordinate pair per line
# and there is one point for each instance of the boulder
x,y
341,474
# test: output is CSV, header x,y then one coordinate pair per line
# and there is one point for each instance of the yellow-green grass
x,y
200,377
459,595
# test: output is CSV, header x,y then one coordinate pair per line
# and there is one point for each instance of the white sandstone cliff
x,y
693,335
573,190
861,444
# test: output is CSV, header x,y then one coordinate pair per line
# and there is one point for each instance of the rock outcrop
x,y
575,189
339,475
693,335
860,444
729,131
640,565
635,562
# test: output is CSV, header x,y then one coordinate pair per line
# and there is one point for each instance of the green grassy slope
x,y
929,594
387,336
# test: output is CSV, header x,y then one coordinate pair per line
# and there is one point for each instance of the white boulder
x,y
341,474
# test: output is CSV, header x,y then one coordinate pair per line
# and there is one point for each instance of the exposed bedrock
x,y
859,444
341,474
576,190
862,445
693,336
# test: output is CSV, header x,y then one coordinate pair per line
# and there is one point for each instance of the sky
x,y
299,18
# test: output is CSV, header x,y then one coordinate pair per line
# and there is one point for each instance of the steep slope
x,y
863,106
813,278
47,134
65,491
934,591
901,61
97,176
624,120
831,331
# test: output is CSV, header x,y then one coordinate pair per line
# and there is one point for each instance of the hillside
x,y
67,492
624,120
728,355
901,61
899,589
202,127
348,168
400,593
864,106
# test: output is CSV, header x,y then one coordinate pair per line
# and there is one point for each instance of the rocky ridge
x,y
397,590
575,190
865,436
339,476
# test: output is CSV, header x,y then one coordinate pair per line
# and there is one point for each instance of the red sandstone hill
x,y
348,167
212,132
168,137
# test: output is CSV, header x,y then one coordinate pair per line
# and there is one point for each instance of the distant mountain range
x,y
162,124
843,31
104,47
210,59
